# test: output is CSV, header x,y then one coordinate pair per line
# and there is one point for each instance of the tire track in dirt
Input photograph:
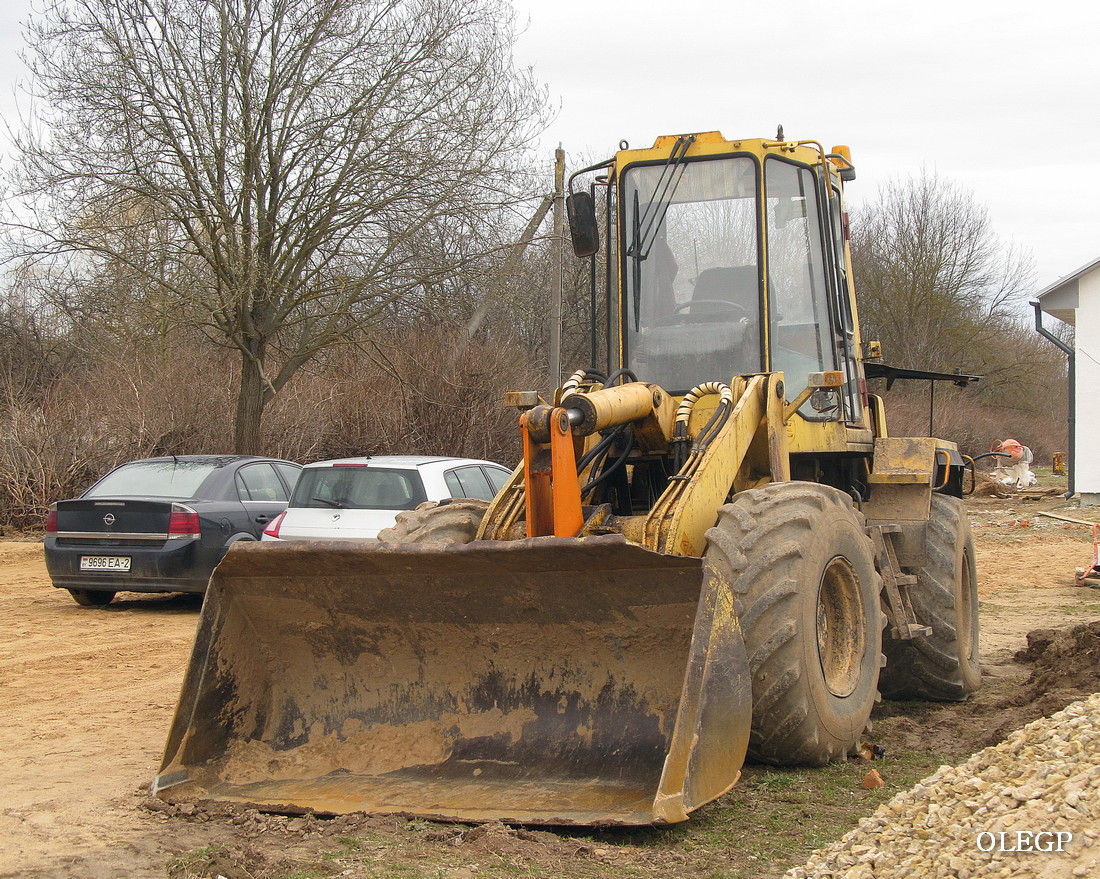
x,y
88,696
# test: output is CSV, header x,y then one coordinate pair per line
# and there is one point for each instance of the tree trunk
x,y
250,407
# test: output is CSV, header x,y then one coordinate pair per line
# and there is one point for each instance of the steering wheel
x,y
723,304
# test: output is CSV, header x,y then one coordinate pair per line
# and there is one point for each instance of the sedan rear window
x,y
358,488
169,479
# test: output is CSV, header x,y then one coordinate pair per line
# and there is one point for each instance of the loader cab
x,y
732,262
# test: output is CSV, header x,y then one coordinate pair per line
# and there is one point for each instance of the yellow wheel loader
x,y
710,549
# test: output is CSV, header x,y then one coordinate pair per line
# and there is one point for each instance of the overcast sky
x,y
1001,98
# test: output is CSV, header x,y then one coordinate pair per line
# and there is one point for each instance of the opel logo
x,y
109,519
335,517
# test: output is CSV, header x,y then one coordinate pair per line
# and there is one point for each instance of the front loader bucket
x,y
548,680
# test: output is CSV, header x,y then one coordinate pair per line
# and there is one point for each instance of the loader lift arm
x,y
737,441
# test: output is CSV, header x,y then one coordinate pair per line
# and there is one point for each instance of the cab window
x,y
798,298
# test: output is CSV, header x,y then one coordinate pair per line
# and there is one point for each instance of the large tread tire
x,y
800,562
92,597
455,521
942,667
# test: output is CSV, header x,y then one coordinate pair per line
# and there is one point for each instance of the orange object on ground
x,y
1010,447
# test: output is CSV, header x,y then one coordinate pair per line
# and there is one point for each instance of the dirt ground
x,y
88,695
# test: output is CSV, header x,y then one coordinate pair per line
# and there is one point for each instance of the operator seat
x,y
736,284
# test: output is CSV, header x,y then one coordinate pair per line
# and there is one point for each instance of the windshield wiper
x,y
648,224
635,250
325,500
661,199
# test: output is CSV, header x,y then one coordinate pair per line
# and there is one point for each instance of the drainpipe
x,y
1071,359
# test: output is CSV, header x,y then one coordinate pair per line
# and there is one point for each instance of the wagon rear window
x,y
358,488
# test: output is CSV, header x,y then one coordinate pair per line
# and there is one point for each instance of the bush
x,y
401,397
974,425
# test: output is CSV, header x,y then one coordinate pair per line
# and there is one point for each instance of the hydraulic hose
x,y
721,414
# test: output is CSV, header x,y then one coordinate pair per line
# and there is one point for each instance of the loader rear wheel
x,y
456,521
803,569
943,666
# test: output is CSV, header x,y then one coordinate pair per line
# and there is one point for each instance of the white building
x,y
1075,299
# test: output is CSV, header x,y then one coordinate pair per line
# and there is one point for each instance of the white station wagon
x,y
355,498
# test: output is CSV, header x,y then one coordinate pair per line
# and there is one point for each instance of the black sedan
x,y
162,524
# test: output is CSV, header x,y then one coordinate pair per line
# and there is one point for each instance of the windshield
x,y
691,271
358,488
167,479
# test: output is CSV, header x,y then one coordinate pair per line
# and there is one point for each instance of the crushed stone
x,y
1027,807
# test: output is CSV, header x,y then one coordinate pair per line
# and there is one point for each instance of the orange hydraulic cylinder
x,y
550,480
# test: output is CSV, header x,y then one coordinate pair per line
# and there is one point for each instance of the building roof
x,y
1060,299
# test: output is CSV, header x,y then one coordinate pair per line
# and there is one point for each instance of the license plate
x,y
104,563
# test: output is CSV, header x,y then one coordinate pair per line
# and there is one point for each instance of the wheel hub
x,y
841,639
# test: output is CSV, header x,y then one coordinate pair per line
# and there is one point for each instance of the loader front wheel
x,y
455,521
944,665
802,567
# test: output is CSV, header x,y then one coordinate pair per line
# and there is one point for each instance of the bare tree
x,y
266,168
934,284
940,291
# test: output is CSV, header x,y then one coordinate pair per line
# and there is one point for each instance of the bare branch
x,y
267,168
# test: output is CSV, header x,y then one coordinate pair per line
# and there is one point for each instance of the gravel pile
x,y
1027,807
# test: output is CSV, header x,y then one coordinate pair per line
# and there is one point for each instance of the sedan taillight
x,y
272,530
183,522
51,521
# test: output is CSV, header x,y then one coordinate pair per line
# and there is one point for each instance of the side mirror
x,y
580,208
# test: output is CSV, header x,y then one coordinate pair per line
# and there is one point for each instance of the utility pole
x,y
559,248
502,277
